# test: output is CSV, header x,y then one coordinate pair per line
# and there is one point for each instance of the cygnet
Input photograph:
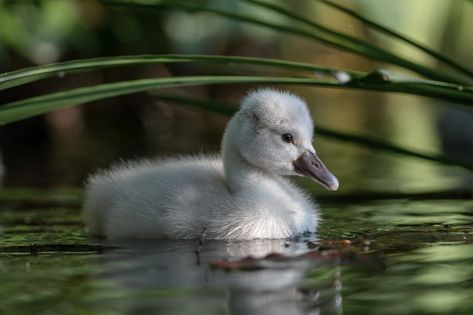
x,y
241,194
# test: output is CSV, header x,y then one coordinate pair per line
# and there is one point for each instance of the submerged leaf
x,y
273,260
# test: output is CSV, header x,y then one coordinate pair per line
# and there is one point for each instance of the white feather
x,y
239,195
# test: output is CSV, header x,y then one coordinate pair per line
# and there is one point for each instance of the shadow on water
x,y
373,257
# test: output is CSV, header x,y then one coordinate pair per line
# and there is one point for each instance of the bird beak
x,y
309,165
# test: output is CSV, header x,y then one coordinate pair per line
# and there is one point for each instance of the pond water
x,y
389,256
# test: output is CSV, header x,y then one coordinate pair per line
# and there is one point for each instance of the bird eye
x,y
288,138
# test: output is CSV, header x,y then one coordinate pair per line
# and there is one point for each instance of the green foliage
x,y
319,33
437,84
396,35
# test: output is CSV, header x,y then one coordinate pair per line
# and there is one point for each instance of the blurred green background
x,y
407,256
62,147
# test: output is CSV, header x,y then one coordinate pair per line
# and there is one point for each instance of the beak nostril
x,y
309,164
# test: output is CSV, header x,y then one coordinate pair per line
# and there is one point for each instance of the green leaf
x,y
42,104
341,41
31,74
380,80
400,37
391,81
359,45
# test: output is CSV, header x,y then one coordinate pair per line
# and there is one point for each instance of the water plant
x,y
453,86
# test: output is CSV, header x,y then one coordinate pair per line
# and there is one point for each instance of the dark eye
x,y
287,137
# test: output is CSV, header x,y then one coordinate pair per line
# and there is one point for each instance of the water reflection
x,y
157,266
432,280
417,260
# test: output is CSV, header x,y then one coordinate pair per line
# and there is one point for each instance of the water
x,y
375,257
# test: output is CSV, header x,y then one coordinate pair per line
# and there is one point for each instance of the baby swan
x,y
240,195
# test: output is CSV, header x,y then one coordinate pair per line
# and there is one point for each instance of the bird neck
x,y
239,173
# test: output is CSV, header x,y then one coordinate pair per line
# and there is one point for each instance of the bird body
x,y
240,194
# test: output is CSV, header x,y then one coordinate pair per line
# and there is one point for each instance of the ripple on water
x,y
403,257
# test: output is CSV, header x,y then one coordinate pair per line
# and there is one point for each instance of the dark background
x,y
59,149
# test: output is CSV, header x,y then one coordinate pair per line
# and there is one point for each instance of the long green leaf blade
x,y
378,80
41,104
351,46
370,142
38,105
31,74
400,37
334,36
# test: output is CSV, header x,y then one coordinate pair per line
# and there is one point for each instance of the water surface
x,y
390,256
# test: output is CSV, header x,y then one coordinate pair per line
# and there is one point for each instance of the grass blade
x,y
379,80
30,107
31,74
379,144
369,142
391,81
399,36
41,104
352,46
363,45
